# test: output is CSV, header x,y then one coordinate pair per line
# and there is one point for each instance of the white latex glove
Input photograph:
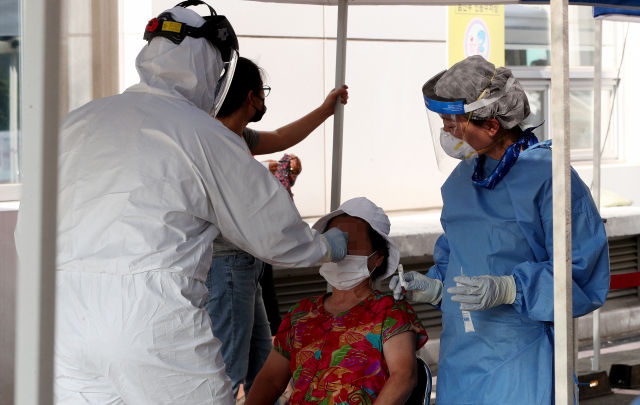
x,y
420,288
336,242
483,292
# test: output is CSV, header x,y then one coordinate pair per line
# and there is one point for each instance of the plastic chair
x,y
421,394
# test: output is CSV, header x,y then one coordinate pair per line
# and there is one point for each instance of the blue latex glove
x,y
483,292
336,242
419,288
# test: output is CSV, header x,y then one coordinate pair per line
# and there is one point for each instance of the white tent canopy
x,y
632,4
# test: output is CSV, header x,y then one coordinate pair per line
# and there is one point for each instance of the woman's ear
x,y
492,125
379,258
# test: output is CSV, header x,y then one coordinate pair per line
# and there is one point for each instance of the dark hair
x,y
379,244
247,76
515,131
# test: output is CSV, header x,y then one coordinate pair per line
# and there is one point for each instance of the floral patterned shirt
x,y
339,360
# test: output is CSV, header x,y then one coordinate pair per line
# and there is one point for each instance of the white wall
x,y
388,155
392,51
630,97
135,15
620,178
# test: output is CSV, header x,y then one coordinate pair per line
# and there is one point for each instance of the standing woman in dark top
x,y
235,302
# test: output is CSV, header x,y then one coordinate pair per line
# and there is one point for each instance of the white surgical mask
x,y
454,147
347,273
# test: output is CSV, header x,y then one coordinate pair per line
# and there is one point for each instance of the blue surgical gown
x,y
508,231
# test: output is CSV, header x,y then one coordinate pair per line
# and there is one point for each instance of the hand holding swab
x,y
403,283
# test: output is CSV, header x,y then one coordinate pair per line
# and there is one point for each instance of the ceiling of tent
x,y
605,3
392,2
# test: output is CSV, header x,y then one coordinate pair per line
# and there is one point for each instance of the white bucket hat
x,y
364,209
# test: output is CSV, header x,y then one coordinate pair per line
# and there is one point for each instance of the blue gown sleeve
x,y
440,257
590,261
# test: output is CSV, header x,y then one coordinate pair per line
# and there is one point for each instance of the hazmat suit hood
x,y
187,71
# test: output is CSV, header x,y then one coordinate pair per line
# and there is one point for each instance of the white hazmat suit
x,y
147,180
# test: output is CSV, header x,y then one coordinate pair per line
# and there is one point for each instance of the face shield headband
x,y
448,123
216,29
446,106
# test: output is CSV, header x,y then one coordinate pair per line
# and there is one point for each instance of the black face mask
x,y
259,113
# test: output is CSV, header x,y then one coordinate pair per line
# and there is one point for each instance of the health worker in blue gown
x,y
493,272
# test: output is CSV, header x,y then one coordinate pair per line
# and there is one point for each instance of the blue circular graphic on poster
x,y
477,40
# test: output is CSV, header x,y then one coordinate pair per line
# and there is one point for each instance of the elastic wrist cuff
x,y
511,292
440,292
324,249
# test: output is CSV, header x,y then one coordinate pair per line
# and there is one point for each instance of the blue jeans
x,y
238,316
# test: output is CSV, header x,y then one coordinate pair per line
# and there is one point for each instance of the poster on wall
x,y
476,30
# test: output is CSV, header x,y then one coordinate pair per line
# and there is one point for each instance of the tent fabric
x,y
616,14
391,2
628,4
619,4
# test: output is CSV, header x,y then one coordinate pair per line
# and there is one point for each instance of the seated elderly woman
x,y
355,345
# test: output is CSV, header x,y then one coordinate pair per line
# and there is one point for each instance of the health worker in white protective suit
x,y
147,180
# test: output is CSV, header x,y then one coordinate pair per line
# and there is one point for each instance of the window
x,y
9,100
528,54
537,84
89,64
89,52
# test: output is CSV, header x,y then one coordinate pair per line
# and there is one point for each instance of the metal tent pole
x,y
562,303
597,126
35,316
338,116
338,112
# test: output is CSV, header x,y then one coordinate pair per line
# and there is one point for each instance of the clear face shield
x,y
448,136
226,76
448,124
